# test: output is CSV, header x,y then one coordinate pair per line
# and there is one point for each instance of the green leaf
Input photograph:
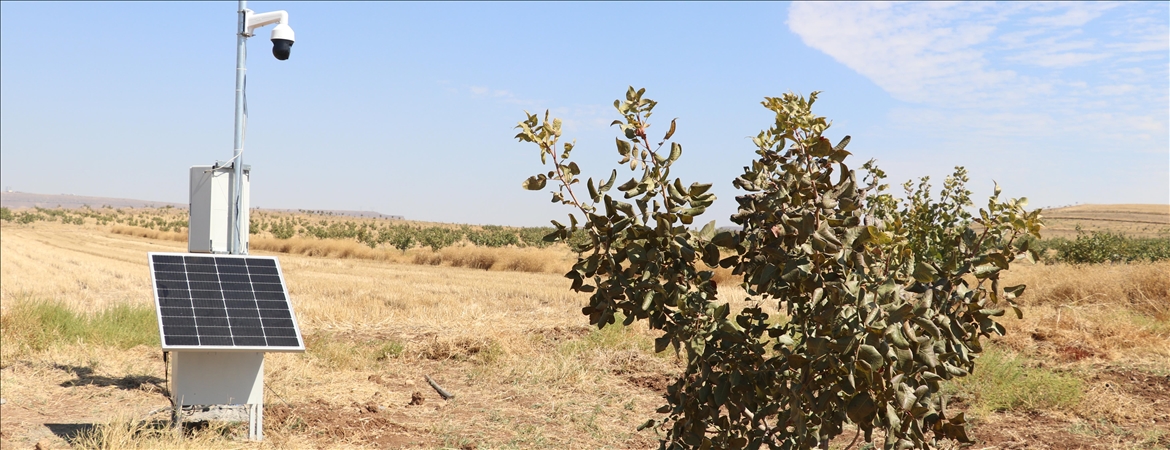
x,y
535,182
711,255
708,231
861,408
999,260
723,239
1011,292
841,145
794,269
609,184
623,146
675,148
821,148
698,189
984,270
923,272
870,355
721,391
699,345
661,343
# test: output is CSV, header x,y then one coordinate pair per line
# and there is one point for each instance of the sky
x,y
408,108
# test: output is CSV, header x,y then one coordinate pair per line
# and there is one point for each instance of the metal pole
x,y
235,239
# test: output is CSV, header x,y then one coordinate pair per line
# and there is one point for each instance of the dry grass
x,y
1142,287
1102,313
149,233
321,248
556,259
510,344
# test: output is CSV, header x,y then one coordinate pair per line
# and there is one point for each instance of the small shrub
x,y
389,350
483,350
27,217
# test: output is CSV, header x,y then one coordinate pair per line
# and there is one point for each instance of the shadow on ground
x,y
73,432
70,431
86,377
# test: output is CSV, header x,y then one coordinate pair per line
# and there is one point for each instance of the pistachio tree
x,y
876,303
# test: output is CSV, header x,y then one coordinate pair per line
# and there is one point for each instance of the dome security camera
x,y
282,41
282,34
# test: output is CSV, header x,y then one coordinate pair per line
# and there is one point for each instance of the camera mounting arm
x,y
254,21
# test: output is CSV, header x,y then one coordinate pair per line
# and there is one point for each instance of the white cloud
x,y
1036,69
1075,13
502,95
575,118
914,52
1032,94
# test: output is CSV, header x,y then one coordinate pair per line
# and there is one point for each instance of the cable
x,y
167,376
266,386
242,229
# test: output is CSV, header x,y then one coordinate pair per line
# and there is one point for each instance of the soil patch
x,y
364,424
561,334
655,382
1030,431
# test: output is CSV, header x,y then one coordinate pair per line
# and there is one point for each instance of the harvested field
x,y
1131,220
1090,360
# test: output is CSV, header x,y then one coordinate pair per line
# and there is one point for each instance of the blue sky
x,y
408,108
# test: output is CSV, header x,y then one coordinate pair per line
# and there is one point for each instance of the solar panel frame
x,y
223,303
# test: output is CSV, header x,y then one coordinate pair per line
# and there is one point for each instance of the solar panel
x,y
223,303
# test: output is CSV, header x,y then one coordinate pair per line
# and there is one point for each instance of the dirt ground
x,y
397,409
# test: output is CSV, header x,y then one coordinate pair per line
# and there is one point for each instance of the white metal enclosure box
x,y
218,378
210,208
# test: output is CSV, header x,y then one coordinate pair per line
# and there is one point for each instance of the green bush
x,y
1103,246
5,214
492,236
27,217
437,238
284,229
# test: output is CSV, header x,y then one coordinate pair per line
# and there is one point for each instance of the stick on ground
x,y
442,393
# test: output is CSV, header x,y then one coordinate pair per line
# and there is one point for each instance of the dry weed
x,y
1093,313
1143,287
180,236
